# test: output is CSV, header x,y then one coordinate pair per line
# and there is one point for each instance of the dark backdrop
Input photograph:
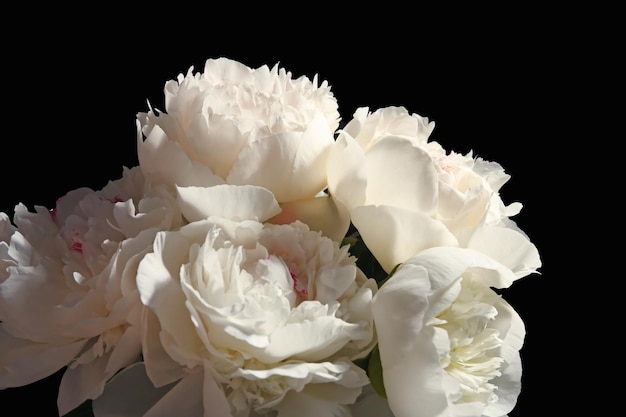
x,y
71,94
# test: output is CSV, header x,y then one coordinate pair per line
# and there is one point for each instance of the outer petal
x,y
322,213
234,202
394,234
406,345
347,175
130,394
401,174
23,362
507,246
165,160
283,163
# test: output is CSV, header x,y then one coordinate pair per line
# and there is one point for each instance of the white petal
x,y
283,164
81,383
322,213
393,234
508,247
445,264
129,394
24,362
347,175
166,161
234,202
401,174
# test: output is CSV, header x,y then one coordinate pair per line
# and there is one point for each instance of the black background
x,y
73,86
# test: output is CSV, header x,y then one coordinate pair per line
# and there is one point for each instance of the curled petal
x,y
234,202
394,234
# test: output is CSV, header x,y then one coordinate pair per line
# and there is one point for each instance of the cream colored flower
x,y
231,124
406,194
68,295
266,318
449,345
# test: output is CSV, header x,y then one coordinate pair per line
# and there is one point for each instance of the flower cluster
x,y
265,260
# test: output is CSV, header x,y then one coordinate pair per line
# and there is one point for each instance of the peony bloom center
x,y
471,359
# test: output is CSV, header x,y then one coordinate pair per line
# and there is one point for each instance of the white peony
x,y
449,345
232,124
68,295
405,194
248,319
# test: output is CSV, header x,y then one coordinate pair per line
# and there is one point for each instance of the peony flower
x,y
449,345
406,194
261,319
67,290
232,124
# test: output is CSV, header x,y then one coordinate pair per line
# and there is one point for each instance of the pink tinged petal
x,y
347,172
165,161
401,174
394,234
507,246
234,202
23,362
323,214
129,393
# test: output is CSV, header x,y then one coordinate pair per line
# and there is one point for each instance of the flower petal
x,y
166,161
322,213
507,246
394,234
24,362
401,174
234,202
129,393
347,176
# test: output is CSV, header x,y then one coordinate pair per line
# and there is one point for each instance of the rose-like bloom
x,y
250,319
232,124
67,288
406,194
449,345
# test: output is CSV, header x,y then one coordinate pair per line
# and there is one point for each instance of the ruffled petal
x,y
394,234
234,202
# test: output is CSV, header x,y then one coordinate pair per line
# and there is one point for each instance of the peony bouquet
x,y
266,259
